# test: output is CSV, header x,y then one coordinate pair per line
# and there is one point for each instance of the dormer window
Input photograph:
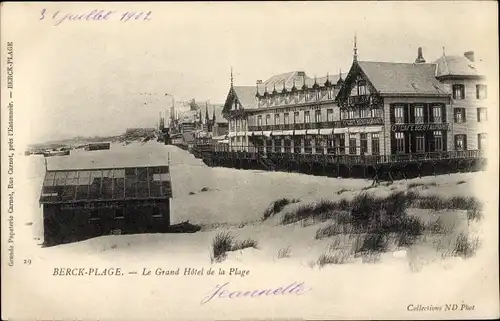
x,y
458,91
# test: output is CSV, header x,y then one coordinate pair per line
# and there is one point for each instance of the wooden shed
x,y
84,203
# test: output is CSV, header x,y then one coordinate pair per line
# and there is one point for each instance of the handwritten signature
x,y
222,292
59,17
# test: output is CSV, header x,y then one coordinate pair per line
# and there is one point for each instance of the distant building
x,y
97,146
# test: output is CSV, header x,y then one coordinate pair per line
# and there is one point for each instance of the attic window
x,y
361,87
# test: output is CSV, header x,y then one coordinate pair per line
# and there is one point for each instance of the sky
x,y
100,77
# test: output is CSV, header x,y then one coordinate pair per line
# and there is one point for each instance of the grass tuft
x,y
464,247
336,257
222,243
277,206
284,253
239,245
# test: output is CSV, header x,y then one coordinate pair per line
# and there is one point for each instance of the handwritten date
x,y
59,17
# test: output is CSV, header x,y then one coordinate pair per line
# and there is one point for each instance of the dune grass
x,y
378,221
277,206
225,242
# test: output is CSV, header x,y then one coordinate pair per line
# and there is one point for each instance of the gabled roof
x,y
219,118
278,80
246,96
456,66
402,78
294,77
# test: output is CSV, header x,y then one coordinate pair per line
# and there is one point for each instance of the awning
x,y
370,129
232,134
259,133
267,133
374,129
312,131
288,132
300,132
326,131
240,134
278,133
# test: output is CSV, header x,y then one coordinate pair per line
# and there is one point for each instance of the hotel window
x,y
237,125
438,141
308,145
459,115
437,116
460,142
259,120
319,144
419,143
297,144
400,142
458,91
361,87
329,115
276,119
277,144
285,119
375,112
399,114
268,119
481,92
306,117
295,117
351,113
481,114
317,116
352,144
481,141
363,142
375,143
418,114
119,213
365,113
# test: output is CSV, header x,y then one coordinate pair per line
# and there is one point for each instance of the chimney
x,y
420,58
469,55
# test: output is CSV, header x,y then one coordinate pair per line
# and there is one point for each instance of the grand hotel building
x,y
378,108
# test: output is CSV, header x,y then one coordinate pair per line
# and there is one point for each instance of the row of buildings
x,y
377,108
197,123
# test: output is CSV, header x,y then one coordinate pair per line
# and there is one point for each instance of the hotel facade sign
x,y
419,127
361,122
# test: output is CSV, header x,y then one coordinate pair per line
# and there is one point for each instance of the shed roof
x,y
130,183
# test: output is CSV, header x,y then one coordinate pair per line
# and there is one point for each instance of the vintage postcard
x,y
249,160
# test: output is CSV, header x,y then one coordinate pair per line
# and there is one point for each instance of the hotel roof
x,y
456,66
403,78
246,96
